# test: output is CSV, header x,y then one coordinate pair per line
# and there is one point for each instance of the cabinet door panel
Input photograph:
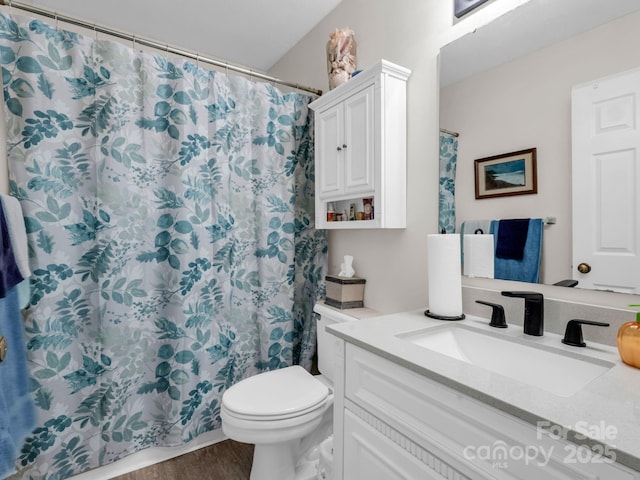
x,y
474,438
359,142
371,456
330,160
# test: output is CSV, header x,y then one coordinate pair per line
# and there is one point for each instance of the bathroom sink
x,y
556,371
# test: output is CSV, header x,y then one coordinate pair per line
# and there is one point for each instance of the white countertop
x,y
608,407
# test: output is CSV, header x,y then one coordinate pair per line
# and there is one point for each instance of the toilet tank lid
x,y
346,315
278,392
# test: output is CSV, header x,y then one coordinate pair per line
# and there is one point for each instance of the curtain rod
x,y
449,132
154,44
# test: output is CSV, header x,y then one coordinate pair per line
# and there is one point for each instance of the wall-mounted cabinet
x,y
360,151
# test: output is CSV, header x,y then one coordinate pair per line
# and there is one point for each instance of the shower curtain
x,y
172,244
447,196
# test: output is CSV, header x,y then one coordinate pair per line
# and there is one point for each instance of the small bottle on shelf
x,y
331,214
368,208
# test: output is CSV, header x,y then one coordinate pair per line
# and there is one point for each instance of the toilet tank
x,y
327,315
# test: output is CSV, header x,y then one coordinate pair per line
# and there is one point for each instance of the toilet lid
x,y
279,392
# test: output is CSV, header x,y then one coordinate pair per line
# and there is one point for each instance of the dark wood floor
x,y
227,460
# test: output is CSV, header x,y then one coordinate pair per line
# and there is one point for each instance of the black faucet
x,y
533,311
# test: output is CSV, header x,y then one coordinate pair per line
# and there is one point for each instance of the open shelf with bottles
x,y
356,212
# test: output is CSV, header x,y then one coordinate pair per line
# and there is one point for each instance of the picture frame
x,y
508,174
462,7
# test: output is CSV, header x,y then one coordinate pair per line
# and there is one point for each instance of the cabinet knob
x,y
339,149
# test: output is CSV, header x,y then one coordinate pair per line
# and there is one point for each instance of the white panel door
x,y
606,183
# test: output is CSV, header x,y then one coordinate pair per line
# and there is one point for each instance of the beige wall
x,y
527,103
395,262
408,33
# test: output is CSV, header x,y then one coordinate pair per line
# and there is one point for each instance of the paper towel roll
x,y
444,275
478,255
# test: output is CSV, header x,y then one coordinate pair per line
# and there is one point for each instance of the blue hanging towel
x,y
14,218
17,409
527,268
512,237
9,272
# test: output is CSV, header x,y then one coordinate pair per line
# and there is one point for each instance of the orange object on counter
x,y
629,341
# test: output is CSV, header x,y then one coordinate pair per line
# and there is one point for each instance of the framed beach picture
x,y
508,174
462,7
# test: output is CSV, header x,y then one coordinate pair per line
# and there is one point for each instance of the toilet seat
x,y
282,394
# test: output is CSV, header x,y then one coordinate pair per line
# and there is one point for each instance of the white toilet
x,y
286,413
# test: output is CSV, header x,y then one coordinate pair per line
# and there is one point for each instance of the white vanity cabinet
x,y
360,150
394,423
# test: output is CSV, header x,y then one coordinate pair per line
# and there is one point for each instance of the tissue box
x,y
345,292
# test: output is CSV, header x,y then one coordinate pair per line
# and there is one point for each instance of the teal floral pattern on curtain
x,y
447,204
172,243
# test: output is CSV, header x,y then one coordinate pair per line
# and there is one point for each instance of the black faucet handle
x,y
573,332
497,314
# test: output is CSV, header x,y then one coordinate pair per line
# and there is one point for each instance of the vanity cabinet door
x,y
369,455
457,435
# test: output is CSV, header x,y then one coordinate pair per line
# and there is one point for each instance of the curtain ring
x,y
56,18
197,60
95,32
133,40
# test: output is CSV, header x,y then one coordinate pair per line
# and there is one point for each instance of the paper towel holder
x,y
443,317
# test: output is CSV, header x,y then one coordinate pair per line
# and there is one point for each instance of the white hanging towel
x,y
478,256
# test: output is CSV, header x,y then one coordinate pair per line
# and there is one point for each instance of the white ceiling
x,y
529,27
249,33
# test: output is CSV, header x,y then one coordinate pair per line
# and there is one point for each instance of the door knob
x,y
584,268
